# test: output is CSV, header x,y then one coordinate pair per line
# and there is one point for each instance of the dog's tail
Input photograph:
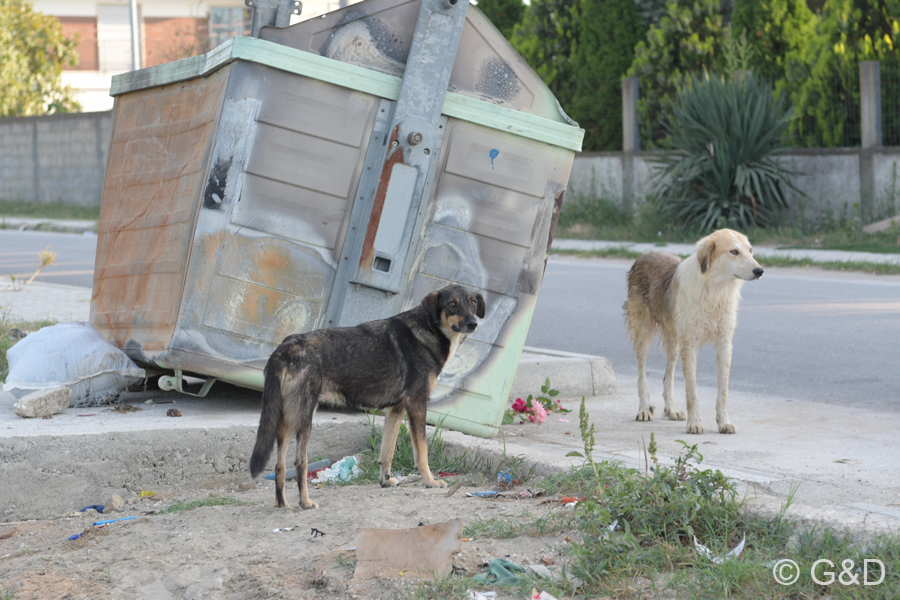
x,y
269,418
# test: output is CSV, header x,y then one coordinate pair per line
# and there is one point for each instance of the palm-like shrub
x,y
722,169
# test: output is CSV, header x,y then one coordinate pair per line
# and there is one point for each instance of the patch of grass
x,y
527,523
403,462
765,261
54,210
10,332
601,218
659,510
211,501
617,252
832,265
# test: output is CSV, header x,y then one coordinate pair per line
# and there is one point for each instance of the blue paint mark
x,y
493,154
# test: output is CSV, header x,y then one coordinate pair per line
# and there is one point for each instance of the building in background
x,y
169,30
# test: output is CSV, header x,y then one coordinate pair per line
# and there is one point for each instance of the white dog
x,y
690,302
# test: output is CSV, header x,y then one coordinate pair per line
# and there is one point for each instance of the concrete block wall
x,y
54,158
829,177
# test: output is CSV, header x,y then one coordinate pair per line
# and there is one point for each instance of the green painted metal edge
x,y
348,76
472,414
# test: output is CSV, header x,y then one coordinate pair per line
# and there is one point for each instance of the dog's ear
x,y
479,309
431,304
705,254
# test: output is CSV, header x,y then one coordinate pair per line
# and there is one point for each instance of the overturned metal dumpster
x,y
320,176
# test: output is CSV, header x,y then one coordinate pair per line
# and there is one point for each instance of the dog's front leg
x,y
388,442
689,365
420,447
723,368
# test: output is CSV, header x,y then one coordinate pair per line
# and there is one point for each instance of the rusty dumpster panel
x,y
269,214
162,140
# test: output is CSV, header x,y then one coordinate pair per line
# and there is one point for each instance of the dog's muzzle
x,y
757,272
471,326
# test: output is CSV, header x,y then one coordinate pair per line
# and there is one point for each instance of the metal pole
x,y
135,36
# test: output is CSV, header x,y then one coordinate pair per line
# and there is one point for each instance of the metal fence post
x,y
631,138
870,123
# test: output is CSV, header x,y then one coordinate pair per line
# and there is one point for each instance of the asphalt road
x,y
74,256
802,333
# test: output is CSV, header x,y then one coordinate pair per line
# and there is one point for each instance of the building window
x,y
226,23
114,37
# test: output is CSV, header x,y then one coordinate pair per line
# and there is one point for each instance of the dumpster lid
x,y
377,35
349,76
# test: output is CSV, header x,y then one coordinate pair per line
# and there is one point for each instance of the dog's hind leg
x,y
388,442
723,367
642,337
670,344
280,468
689,365
301,463
420,447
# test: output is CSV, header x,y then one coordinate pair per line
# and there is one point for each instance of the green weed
x,y
54,210
211,501
403,462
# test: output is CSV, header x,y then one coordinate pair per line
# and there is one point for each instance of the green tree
x,y
686,41
546,39
33,51
774,28
822,77
608,33
504,14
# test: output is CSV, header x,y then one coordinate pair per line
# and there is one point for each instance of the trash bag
x,y
73,355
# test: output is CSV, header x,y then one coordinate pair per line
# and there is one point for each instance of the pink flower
x,y
540,413
519,405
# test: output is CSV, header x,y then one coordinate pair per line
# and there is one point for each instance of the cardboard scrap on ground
x,y
417,551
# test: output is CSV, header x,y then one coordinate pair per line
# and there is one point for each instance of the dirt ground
x,y
225,552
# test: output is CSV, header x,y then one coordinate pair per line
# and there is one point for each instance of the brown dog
x,y
393,363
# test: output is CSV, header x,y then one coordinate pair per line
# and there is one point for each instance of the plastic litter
x,y
344,470
145,494
476,595
98,507
541,596
501,572
285,529
100,524
315,467
71,355
488,494
708,554
504,478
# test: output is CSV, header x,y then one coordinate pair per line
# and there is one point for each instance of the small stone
x,y
130,498
43,402
115,503
246,486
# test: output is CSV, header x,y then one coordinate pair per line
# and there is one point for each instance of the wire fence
x,y
890,103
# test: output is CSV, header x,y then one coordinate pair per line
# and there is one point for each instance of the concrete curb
x,y
818,256
570,373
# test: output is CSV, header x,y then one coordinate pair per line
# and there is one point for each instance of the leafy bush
x,y
686,41
723,171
